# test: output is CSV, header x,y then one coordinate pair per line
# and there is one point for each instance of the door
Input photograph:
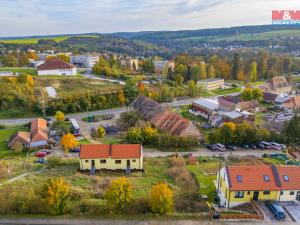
x,y
298,196
93,163
255,195
128,163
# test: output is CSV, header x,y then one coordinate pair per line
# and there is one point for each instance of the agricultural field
x,y
20,70
227,91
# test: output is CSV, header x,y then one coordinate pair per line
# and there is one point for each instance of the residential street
x,y
27,221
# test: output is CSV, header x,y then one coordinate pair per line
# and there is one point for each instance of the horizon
x,y
113,16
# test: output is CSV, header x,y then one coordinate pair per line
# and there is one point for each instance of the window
x,y
286,178
239,178
266,192
292,192
86,161
239,194
102,161
248,192
266,178
281,193
117,161
133,160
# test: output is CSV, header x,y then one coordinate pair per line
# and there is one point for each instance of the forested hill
x,y
216,33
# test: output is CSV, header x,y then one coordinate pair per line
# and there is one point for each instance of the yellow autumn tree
x,y
69,141
161,199
121,97
57,195
59,116
100,133
29,80
119,194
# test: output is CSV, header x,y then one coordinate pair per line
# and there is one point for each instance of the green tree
x,y
236,66
102,67
149,134
247,94
227,133
181,69
179,79
211,71
257,94
148,66
119,195
253,72
134,135
130,90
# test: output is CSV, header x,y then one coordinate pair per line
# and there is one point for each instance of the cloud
x,y
33,17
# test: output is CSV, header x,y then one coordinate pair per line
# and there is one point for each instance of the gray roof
x,y
207,103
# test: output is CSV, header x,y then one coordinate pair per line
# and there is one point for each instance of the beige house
x,y
130,63
211,84
277,85
111,156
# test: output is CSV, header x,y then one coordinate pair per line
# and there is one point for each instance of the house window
x,y
133,160
86,161
248,192
102,161
281,193
239,178
266,178
286,178
117,161
266,192
239,194
292,192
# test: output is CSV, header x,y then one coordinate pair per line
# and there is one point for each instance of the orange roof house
x,y
292,103
37,137
111,156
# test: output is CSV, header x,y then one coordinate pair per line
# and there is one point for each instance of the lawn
x,y
16,113
205,174
20,70
184,112
259,118
227,91
33,40
4,137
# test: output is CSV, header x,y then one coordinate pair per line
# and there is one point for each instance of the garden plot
x,y
51,92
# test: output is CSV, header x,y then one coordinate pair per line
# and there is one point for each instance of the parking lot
x,y
293,209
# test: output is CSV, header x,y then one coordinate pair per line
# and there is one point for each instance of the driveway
x,y
293,209
269,216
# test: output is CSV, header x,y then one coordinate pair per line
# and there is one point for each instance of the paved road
x,y
148,152
99,112
27,221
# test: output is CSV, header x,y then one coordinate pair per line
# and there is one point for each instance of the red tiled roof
x,y
293,102
115,151
123,151
252,178
54,64
39,130
90,151
293,173
22,136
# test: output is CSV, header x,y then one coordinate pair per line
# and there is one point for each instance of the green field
x,y
34,40
227,91
20,70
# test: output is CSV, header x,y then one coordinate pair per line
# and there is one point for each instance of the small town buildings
x,y
277,85
56,66
238,116
163,66
37,137
204,107
237,185
211,84
130,63
164,119
292,104
84,61
251,106
111,157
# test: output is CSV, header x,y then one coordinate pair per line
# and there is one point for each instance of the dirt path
x,y
19,177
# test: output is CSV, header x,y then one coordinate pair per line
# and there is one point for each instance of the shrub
x,y
89,207
53,161
2,126
177,161
139,206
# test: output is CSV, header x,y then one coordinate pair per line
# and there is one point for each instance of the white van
x,y
275,145
267,145
220,147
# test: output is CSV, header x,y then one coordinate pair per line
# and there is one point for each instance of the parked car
x,y
253,146
282,146
260,146
267,145
46,151
275,146
245,146
78,138
40,154
276,209
52,133
220,147
40,161
186,155
77,149
207,126
230,147
211,147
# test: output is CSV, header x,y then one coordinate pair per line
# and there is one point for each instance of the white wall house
x,y
85,61
56,67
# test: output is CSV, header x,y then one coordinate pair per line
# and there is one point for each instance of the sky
x,y
46,17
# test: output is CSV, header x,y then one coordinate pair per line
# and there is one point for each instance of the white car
x,y
220,147
275,146
282,146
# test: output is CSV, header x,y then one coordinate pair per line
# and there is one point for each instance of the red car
x,y
40,154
